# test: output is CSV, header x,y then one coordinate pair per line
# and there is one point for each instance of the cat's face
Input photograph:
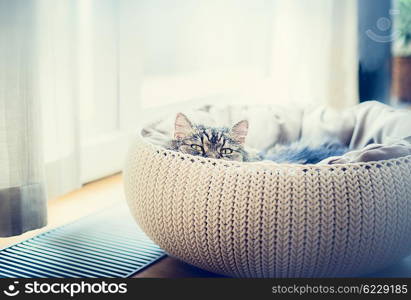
x,y
220,143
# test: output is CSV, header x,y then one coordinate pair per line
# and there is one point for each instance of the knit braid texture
x,y
271,220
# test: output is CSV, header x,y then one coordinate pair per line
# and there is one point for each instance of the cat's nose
x,y
214,155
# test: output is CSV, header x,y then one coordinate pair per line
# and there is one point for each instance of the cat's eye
x,y
226,151
196,147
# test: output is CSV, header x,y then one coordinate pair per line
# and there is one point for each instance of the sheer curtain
x,y
22,186
70,77
314,52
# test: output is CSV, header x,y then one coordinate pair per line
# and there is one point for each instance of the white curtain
x,y
314,52
261,51
22,192
70,77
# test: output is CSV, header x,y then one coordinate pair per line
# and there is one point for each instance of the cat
x,y
212,142
228,144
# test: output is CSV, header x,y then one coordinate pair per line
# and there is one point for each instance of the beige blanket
x,y
373,131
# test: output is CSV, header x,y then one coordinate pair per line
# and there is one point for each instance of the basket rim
x,y
266,165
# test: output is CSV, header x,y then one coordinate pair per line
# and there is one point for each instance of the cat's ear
x,y
182,127
239,131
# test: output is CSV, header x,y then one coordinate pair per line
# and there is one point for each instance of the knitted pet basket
x,y
271,220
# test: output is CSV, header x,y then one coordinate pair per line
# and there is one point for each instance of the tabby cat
x,y
222,143
228,144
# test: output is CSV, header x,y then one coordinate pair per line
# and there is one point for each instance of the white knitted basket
x,y
270,220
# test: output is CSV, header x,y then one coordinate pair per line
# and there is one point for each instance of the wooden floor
x,y
92,197
170,267
95,196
